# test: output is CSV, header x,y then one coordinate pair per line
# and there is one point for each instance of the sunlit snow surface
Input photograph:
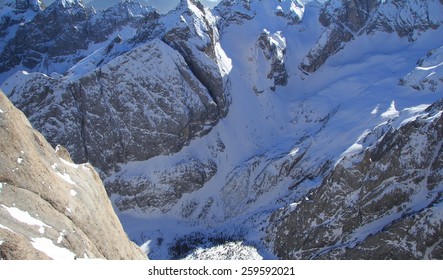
x,y
50,249
24,217
326,115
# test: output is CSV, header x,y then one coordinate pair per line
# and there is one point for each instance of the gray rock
x,y
274,49
62,34
383,203
142,104
345,20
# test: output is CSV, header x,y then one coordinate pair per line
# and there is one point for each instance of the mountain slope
x,y
51,208
205,123
57,37
382,203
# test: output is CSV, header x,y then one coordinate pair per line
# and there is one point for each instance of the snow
x,y
61,236
70,164
51,250
391,112
73,193
24,217
66,177
323,117
1,111
19,160
356,92
229,251
4,227
327,115
1,186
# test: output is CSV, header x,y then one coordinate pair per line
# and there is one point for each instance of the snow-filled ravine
x,y
323,116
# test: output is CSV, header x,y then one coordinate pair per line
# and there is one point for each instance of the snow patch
x,y
51,250
294,152
391,113
1,111
24,217
73,193
70,164
61,236
229,251
1,186
3,227
19,160
66,178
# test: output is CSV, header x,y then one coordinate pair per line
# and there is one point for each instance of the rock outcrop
x,y
384,203
132,101
56,38
51,208
344,20
274,48
428,74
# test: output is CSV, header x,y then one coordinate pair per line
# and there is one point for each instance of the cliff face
x,y
51,208
344,20
384,203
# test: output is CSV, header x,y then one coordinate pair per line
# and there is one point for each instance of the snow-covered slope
x,y
382,203
56,38
263,133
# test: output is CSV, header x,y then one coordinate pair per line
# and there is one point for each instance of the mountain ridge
x,y
261,101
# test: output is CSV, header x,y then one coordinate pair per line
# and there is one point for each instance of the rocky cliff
x,y
51,208
344,20
383,203
57,37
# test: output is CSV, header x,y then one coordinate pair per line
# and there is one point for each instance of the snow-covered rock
x,y
56,38
141,104
428,74
345,20
385,205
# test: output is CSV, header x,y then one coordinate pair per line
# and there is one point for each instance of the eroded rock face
x,y
385,203
428,74
73,31
144,103
161,192
274,49
239,11
51,208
